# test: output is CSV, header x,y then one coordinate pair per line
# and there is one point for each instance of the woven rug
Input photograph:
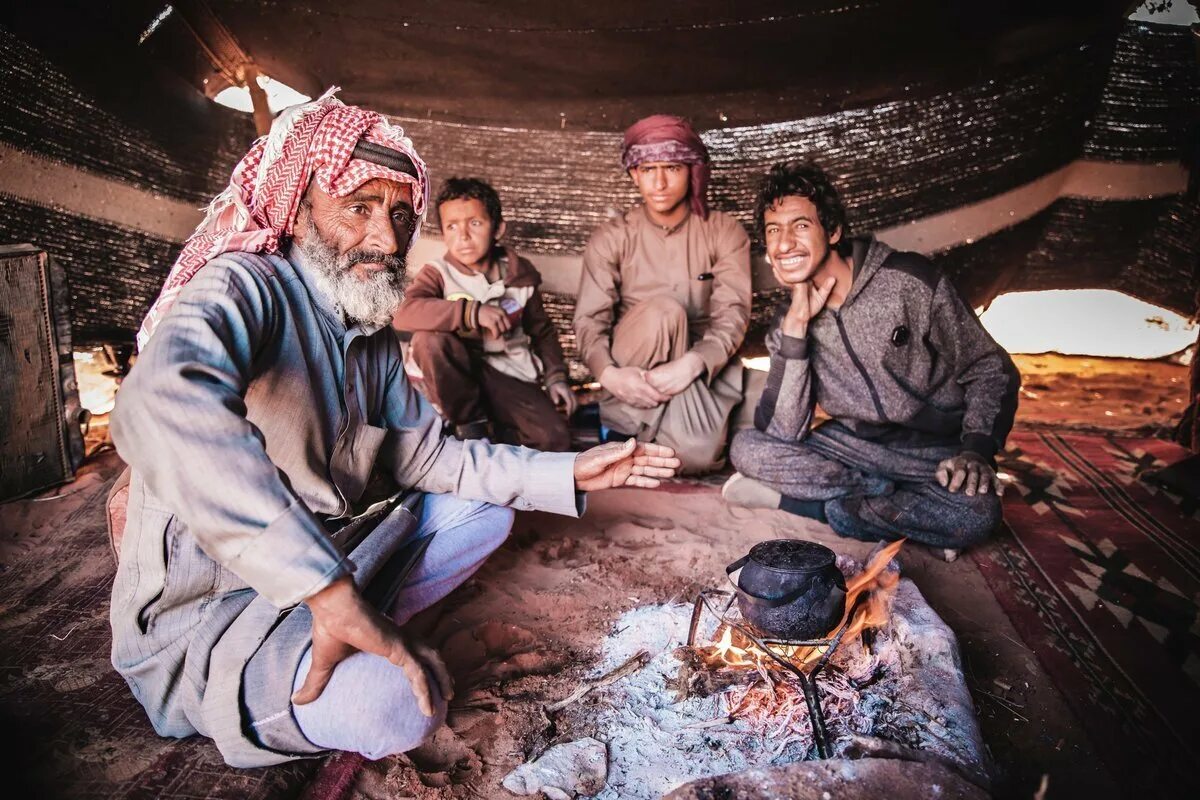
x,y
1100,573
74,729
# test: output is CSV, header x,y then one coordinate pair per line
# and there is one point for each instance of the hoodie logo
x,y
900,335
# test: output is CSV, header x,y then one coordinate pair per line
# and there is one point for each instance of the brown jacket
x,y
425,308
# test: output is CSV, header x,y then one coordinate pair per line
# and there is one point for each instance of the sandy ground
x,y
1147,397
523,632
535,615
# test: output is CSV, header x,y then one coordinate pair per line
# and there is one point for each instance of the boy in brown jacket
x,y
488,352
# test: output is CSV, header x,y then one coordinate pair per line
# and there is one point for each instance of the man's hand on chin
x,y
628,463
344,623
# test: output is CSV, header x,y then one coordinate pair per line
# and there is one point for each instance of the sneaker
x,y
749,493
949,554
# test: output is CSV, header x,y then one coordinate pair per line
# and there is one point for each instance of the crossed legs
x,y
369,706
867,501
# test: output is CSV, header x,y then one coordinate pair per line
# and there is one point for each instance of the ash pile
x,y
692,698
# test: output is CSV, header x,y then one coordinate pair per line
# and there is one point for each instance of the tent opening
x,y
279,96
1086,322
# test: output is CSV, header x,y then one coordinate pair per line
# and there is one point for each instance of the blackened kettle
x,y
790,589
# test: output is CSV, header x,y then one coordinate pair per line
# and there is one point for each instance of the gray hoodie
x,y
904,361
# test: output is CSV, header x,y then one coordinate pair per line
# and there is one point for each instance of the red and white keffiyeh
x,y
258,209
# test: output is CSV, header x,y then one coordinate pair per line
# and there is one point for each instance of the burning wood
x,y
880,582
766,695
670,721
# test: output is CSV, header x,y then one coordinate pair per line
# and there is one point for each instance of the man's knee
x,y
494,525
428,345
979,516
368,707
698,455
489,523
551,437
500,521
746,451
652,331
382,731
663,307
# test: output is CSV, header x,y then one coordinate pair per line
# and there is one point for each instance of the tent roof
x,y
549,64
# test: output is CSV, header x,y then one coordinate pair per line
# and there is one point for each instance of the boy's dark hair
x,y
471,189
803,179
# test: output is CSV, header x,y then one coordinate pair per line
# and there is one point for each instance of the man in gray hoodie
x,y
921,397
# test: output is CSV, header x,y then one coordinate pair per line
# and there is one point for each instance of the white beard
x,y
371,300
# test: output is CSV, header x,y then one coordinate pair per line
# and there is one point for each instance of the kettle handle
x,y
772,602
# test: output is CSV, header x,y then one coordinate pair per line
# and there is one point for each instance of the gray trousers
x,y
870,491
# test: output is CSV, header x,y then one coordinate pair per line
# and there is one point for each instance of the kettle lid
x,y
792,555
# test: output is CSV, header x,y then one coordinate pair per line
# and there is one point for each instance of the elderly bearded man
x,y
268,406
664,301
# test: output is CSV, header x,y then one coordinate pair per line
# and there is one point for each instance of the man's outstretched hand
x,y
628,463
968,473
344,623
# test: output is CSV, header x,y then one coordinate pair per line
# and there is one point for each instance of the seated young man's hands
x,y
628,463
629,385
562,397
344,623
969,473
673,377
494,320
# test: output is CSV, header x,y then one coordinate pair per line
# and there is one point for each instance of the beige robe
x,y
696,277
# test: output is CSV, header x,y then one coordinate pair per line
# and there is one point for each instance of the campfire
x,y
684,691
771,684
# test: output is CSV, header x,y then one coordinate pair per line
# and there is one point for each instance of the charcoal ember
x,y
683,682
690,656
710,682
704,679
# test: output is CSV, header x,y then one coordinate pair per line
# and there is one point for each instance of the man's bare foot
x,y
749,493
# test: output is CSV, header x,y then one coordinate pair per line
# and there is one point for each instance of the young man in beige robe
x,y
664,302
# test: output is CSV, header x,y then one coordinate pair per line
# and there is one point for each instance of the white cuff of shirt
x,y
550,485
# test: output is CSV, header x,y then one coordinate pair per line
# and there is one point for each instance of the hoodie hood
x,y
867,255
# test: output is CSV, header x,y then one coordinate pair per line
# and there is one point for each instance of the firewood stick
x,y
635,662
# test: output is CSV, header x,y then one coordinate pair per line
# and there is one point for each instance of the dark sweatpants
x,y
870,491
465,388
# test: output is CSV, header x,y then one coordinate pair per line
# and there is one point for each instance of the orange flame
x,y
875,579
880,584
733,655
